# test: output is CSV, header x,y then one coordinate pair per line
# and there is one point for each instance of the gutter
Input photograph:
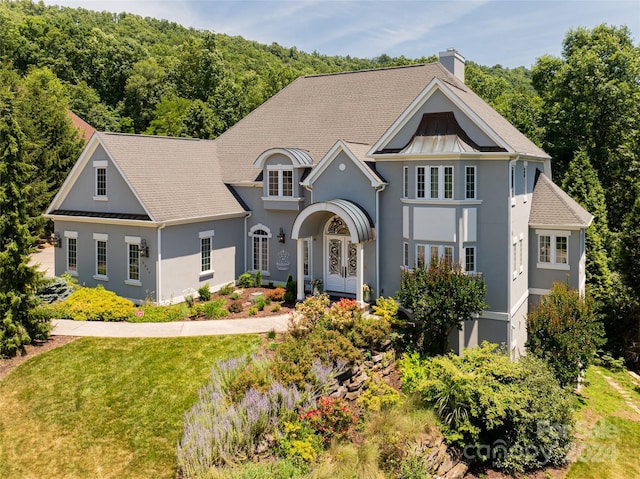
x,y
159,264
246,234
509,251
379,189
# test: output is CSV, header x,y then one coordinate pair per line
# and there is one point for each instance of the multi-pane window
x,y
260,247
521,242
101,258
434,182
435,252
72,254
553,249
133,260
524,180
514,248
101,181
470,183
205,254
405,182
544,249
280,181
405,254
470,259
512,181
561,250
420,182
274,187
448,182
306,257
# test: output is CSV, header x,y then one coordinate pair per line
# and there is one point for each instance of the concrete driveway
x,y
45,260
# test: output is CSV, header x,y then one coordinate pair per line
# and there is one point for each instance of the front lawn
x,y
105,408
608,427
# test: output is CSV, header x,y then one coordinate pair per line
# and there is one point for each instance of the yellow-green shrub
x,y
96,304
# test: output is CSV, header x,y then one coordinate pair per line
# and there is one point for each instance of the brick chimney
x,y
454,62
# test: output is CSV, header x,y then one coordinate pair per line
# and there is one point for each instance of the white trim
x,y
552,232
475,182
132,239
101,277
295,162
260,226
331,155
77,169
206,234
71,234
132,282
519,303
145,223
100,198
405,182
424,181
524,180
556,266
290,199
101,236
420,201
539,291
433,86
100,163
565,228
497,316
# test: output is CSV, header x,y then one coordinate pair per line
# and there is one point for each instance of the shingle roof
x,y
314,111
550,206
175,178
85,130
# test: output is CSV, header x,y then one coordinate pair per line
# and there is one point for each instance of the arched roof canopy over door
x,y
358,221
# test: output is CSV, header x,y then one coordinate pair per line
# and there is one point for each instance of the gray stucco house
x,y
346,178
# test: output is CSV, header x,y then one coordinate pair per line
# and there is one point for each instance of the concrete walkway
x,y
67,327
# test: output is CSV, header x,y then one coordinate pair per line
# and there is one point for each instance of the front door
x,y
341,259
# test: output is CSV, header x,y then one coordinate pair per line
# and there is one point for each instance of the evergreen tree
x,y
582,183
17,280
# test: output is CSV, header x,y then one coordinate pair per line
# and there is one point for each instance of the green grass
x,y
609,429
105,408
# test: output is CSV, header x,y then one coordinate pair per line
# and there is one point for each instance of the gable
x,y
437,99
78,193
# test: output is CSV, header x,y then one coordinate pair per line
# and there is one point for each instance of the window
x,y
100,167
553,249
470,259
306,257
561,250
436,253
72,251
133,270
405,254
420,255
420,179
405,182
512,183
521,253
206,244
101,255
280,179
544,250
441,182
260,248
470,183
514,263
433,181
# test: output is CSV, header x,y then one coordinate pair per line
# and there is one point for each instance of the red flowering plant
x,y
345,313
332,418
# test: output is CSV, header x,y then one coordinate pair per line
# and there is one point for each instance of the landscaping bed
x,y
275,308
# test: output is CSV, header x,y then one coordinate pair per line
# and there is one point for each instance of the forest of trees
x,y
126,73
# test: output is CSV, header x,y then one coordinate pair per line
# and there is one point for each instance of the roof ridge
x,y
158,137
367,70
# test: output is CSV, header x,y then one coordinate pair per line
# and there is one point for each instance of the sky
x,y
511,33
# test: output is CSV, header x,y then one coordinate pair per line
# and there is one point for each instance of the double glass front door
x,y
342,262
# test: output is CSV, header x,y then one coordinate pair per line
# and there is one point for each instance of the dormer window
x,y
280,179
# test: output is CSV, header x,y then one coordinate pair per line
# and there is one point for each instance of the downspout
x,y
510,250
378,190
246,234
159,263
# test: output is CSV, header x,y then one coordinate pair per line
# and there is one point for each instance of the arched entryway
x,y
343,228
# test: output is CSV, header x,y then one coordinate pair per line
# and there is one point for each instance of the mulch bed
x,y
245,301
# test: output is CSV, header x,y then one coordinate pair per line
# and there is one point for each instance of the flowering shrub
x,y
345,313
331,419
276,294
220,430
